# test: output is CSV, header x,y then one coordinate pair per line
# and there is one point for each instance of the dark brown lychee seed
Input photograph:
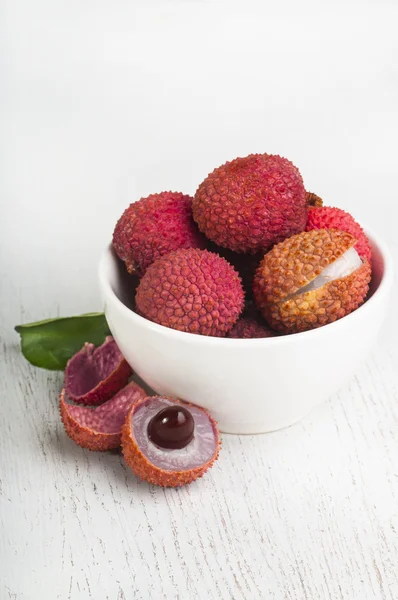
x,y
171,428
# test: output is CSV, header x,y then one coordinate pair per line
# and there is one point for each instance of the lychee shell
x,y
90,356
327,217
248,327
89,437
245,264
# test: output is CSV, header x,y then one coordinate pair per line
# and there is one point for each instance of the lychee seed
x,y
171,427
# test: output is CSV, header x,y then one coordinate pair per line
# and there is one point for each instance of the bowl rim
x,y
382,290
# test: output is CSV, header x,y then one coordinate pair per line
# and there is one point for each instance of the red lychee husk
x,y
192,290
145,470
100,428
93,375
249,327
251,203
154,226
327,217
245,264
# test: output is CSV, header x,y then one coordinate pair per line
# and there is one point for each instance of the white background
x,y
103,102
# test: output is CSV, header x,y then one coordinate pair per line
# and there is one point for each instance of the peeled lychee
x,y
191,290
326,217
251,203
311,279
93,375
249,327
154,226
100,428
168,442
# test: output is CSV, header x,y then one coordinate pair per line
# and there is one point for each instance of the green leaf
x,y
50,344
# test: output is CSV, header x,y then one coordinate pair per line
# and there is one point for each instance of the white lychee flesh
x,y
346,264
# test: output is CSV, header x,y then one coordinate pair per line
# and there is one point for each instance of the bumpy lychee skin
x,y
248,327
251,203
195,291
93,375
327,217
245,264
295,289
168,467
154,226
100,428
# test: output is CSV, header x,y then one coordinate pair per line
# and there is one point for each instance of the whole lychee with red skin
x,y
192,290
168,442
250,327
155,226
311,279
327,217
251,203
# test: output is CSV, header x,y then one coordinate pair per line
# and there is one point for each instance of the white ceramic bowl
x,y
249,386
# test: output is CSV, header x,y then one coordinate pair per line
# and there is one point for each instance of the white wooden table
x,y
106,102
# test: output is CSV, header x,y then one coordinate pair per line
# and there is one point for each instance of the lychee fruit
x,y
248,327
169,442
100,428
250,203
311,279
93,375
327,217
192,290
313,200
245,264
154,226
